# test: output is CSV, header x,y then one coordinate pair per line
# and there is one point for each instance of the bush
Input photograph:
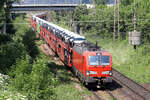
x,y
20,73
4,39
42,80
9,53
33,80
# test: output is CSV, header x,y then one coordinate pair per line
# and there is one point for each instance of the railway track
x,y
103,94
138,91
97,96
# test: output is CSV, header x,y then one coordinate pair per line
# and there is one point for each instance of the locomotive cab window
x,y
105,60
99,60
94,60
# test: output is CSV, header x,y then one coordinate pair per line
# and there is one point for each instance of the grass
x,y
133,63
69,92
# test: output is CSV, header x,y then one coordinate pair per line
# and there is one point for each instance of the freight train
x,y
90,62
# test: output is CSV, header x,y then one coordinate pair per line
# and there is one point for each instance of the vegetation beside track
x,y
26,67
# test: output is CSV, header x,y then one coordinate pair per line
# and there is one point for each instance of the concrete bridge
x,y
46,5
42,7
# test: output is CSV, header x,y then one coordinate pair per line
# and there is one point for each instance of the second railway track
x,y
138,91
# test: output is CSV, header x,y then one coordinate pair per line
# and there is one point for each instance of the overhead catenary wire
x,y
90,22
98,21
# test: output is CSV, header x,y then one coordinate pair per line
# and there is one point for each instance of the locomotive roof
x,y
86,46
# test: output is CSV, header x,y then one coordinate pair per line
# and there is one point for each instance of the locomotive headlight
x,y
93,72
87,72
110,73
90,72
105,72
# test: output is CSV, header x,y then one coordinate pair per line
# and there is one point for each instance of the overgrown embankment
x,y
26,68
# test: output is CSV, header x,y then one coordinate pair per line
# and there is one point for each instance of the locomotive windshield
x,y
99,60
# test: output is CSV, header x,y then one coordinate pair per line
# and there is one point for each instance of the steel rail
x,y
132,85
98,97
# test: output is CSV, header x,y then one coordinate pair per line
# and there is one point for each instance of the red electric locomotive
x,y
91,63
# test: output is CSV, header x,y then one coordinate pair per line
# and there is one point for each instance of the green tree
x,y
78,14
5,6
9,53
126,2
